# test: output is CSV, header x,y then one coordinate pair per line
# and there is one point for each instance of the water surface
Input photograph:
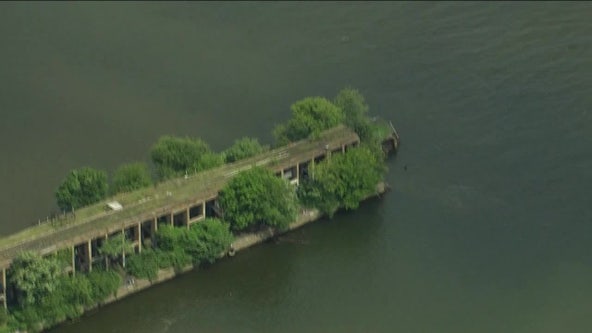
x,y
488,230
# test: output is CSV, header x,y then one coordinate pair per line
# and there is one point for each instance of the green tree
x,y
174,156
243,148
209,160
343,180
256,197
310,116
202,242
355,110
82,187
129,177
34,277
116,247
206,240
169,238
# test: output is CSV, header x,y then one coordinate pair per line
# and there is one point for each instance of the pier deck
x,y
138,206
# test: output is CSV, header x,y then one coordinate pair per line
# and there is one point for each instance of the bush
x,y
169,238
310,116
174,156
82,187
343,180
143,265
257,197
3,317
129,177
203,242
208,239
104,284
176,258
243,148
69,299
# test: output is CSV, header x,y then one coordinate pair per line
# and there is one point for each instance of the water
x,y
488,230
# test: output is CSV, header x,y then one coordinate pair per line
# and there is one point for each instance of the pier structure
x,y
178,202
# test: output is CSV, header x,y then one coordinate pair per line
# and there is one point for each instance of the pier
x,y
179,202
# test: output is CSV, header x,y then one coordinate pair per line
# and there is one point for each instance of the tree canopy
x,y
129,177
310,116
343,180
202,242
256,197
355,111
174,156
82,187
116,246
34,277
243,148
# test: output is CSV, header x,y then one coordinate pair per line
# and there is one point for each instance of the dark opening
x,y
303,169
180,219
213,209
164,220
195,211
319,159
290,173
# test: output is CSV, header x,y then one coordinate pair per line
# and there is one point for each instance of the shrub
x,y
143,265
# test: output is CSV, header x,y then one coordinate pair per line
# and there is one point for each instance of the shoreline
x,y
240,243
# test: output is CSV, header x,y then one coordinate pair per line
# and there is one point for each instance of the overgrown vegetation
x,y
243,148
257,197
343,180
49,297
116,247
203,242
45,295
129,177
82,187
176,156
310,116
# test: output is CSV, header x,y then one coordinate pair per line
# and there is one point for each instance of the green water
x,y
488,229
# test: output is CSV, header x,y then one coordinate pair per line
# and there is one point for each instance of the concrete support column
x,y
343,149
187,217
203,209
123,243
298,172
89,255
155,225
73,261
139,237
4,287
172,219
282,173
106,257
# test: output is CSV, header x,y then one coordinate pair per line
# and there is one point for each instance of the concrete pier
x,y
178,202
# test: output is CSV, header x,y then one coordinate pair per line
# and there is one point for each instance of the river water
x,y
488,229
